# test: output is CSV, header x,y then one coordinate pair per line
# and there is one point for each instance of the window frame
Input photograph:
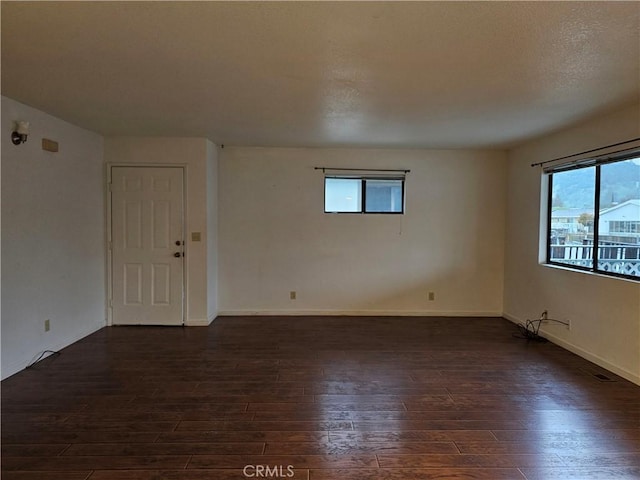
x,y
363,193
597,163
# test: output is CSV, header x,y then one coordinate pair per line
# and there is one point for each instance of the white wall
x,y
604,312
275,238
199,157
53,237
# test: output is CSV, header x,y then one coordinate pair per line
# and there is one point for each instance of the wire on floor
x,y
530,329
52,353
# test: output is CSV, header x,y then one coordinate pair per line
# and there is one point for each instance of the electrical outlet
x,y
47,325
432,296
292,295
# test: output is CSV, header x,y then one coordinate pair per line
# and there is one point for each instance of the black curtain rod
x,y
586,151
324,169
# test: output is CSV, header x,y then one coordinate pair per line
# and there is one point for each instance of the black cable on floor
x,y
52,353
530,329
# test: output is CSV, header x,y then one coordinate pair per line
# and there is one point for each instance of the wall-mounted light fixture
x,y
20,132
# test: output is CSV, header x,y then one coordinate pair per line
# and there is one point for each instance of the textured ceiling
x,y
379,74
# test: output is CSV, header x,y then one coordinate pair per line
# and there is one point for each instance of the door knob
x,y
177,254
178,242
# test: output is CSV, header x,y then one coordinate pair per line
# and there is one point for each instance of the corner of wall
x,y
53,237
212,230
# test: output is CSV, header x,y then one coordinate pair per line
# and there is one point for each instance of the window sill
x,y
586,272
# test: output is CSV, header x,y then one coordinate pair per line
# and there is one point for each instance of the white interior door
x,y
147,241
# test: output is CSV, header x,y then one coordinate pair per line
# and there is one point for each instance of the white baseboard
x,y
601,362
511,318
198,322
359,313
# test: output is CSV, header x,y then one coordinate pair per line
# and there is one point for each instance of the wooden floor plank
x,y
360,460
7,475
341,448
590,473
469,460
212,474
98,462
541,446
153,449
418,474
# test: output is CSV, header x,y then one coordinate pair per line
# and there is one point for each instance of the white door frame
x,y
108,245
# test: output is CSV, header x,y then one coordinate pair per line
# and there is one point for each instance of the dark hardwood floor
x,y
335,398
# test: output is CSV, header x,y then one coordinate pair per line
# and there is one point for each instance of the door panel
x,y
146,222
132,284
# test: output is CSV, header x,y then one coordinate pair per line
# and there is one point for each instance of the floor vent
x,y
603,378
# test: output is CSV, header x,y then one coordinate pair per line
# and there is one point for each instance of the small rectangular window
x,y
348,194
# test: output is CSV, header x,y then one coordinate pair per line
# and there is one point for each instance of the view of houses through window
x,y
594,218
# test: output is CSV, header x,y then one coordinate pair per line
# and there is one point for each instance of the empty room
x,y
320,240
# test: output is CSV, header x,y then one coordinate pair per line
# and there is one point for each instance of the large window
x,y
594,217
344,194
